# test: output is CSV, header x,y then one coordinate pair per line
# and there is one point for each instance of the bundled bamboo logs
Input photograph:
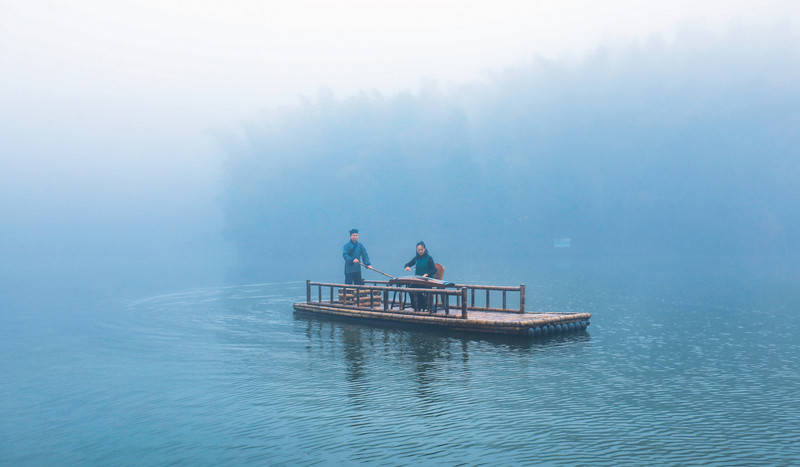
x,y
362,298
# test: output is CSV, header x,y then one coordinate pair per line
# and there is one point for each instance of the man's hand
x,y
408,268
424,275
369,267
355,260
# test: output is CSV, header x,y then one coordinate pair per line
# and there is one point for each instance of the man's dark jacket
x,y
352,251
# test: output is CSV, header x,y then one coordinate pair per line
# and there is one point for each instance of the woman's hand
x,y
408,268
424,275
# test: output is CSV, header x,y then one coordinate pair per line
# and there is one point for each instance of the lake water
x,y
681,364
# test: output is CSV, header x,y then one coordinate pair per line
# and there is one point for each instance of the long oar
x,y
379,272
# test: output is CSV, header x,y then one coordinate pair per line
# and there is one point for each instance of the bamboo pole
x,y
376,270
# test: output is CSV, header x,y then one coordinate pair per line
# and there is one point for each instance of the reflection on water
x,y
231,375
421,352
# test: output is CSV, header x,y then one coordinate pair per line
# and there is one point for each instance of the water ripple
x,y
230,375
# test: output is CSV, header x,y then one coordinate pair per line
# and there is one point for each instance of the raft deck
x,y
459,307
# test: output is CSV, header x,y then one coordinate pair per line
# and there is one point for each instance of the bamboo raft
x,y
431,302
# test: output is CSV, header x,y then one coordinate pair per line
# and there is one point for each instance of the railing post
x,y
308,291
464,303
522,298
385,300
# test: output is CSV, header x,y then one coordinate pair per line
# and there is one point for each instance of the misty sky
x,y
207,59
111,112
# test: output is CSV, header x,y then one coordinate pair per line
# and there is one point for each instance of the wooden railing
x,y
376,282
465,297
435,299
487,289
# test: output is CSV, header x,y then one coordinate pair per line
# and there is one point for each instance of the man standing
x,y
353,252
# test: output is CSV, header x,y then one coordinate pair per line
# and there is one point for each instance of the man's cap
x,y
352,231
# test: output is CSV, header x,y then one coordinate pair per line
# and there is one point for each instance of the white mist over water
x,y
686,150
111,112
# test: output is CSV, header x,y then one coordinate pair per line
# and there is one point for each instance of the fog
x,y
171,172
684,150
148,147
